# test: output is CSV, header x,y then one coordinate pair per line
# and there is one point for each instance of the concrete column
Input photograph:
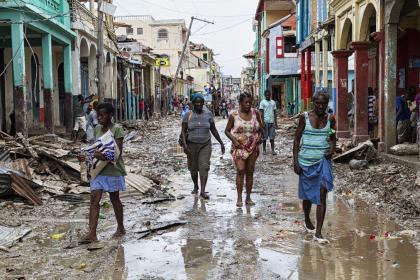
x,y
379,37
48,82
361,65
302,78
317,64
92,6
341,81
325,62
19,81
308,76
390,84
68,86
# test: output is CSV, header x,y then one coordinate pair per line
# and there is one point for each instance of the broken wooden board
x,y
161,226
23,189
364,150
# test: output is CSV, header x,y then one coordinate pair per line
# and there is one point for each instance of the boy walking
x,y
268,109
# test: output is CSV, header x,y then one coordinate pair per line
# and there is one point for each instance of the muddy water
x,y
266,241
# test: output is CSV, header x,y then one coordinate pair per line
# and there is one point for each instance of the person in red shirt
x,y
141,108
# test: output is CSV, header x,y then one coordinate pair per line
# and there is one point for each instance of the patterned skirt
x,y
108,183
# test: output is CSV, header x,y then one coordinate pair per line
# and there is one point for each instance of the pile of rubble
x,y
47,164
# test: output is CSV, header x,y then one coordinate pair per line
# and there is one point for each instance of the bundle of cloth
x,y
107,146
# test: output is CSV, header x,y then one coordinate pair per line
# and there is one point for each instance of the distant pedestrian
x,y
110,179
91,122
244,129
313,148
176,105
12,118
79,117
197,127
141,108
373,118
403,119
268,109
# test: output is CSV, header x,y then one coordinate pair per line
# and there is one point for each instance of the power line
x,y
223,29
189,13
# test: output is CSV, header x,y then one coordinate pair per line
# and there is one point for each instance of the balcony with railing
x,y
56,10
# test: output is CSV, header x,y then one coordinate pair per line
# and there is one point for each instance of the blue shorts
x,y
108,183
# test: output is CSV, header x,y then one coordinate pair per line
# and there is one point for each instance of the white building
x,y
165,37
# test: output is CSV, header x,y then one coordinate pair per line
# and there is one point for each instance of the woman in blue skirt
x,y
111,178
313,148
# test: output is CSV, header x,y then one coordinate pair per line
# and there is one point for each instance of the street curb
x,y
411,162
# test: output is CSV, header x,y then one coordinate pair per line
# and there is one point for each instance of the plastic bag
x,y
108,147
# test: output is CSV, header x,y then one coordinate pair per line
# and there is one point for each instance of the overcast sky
x,y
231,36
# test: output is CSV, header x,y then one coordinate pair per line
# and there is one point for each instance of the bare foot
x,y
309,225
239,203
204,195
119,233
88,239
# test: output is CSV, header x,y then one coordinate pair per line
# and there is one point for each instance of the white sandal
x,y
321,240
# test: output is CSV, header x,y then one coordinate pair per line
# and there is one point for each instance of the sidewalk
x,y
409,161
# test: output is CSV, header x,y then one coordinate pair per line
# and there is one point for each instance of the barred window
x,y
163,34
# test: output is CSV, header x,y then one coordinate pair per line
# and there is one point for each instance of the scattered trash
x,y
8,235
57,236
407,232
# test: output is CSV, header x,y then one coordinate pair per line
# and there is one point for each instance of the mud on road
x,y
211,239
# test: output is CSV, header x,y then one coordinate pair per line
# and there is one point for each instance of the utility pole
x,y
100,52
185,46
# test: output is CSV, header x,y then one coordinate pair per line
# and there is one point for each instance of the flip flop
x,y
204,196
321,241
86,241
310,230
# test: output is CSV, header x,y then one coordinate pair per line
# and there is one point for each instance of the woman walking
x,y
313,148
244,129
197,128
110,179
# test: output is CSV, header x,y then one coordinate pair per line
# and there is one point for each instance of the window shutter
x,y
279,47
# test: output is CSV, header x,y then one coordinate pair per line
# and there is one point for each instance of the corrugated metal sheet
x,y
139,182
9,235
4,155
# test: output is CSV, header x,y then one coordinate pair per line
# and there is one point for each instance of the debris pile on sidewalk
x,y
389,187
358,157
48,164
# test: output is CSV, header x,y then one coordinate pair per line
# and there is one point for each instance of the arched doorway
x,y
61,93
346,35
34,91
368,27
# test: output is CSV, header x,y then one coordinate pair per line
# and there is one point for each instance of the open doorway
x,y
61,93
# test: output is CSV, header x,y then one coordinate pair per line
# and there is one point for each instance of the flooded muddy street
x,y
172,234
268,240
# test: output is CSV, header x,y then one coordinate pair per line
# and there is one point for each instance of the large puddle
x,y
267,241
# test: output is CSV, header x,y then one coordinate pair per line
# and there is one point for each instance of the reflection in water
x,y
202,204
120,271
198,258
352,255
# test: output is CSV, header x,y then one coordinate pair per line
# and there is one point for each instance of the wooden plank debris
x,y
24,190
